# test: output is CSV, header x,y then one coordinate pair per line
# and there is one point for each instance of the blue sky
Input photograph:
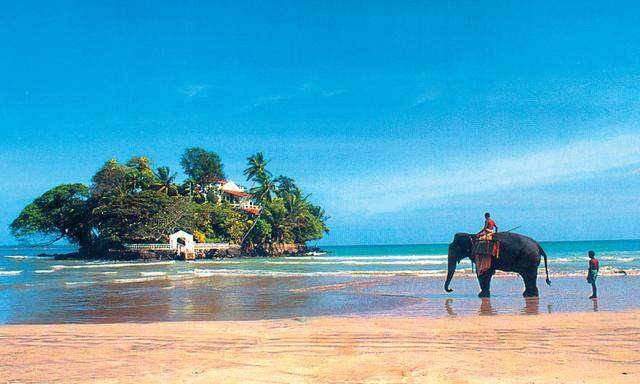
x,y
406,121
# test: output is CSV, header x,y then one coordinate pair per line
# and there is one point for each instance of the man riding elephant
x,y
490,227
517,253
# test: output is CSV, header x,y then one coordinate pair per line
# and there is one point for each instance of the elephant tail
x,y
542,252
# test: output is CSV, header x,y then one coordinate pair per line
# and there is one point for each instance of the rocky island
x,y
130,210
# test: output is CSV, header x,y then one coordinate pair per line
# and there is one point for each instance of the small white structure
x,y
182,242
183,245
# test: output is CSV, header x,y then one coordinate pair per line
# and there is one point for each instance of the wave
x,y
10,273
253,273
417,273
357,258
354,262
44,270
155,273
112,265
137,280
78,283
27,257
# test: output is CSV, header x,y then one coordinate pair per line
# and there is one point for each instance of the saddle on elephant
x,y
484,250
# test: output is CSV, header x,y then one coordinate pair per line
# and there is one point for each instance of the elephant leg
x,y
485,283
530,278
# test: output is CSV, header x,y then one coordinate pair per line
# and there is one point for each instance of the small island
x,y
130,209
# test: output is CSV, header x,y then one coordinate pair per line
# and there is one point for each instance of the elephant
x,y
518,253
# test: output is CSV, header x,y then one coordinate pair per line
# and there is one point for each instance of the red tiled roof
x,y
236,193
253,211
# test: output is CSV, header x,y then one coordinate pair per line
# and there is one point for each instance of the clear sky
x,y
405,120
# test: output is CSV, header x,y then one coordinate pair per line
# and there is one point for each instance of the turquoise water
x,y
345,280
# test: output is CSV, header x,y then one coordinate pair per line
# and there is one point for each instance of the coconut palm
x,y
296,207
320,213
265,189
257,167
285,185
165,181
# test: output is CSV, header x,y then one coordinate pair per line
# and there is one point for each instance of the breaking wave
x,y
154,273
348,258
10,273
19,257
112,265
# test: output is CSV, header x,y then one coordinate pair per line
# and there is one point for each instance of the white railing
x,y
211,246
245,205
148,246
166,247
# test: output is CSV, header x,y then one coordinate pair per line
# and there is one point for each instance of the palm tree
x,y
320,213
257,167
296,207
265,189
286,185
165,180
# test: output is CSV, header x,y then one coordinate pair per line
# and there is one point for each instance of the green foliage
x,y
256,167
132,203
111,179
265,189
228,223
164,182
140,176
58,213
203,166
260,233
285,185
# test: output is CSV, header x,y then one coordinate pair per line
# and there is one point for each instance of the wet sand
x,y
546,348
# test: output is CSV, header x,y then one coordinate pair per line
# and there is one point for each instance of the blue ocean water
x,y
341,281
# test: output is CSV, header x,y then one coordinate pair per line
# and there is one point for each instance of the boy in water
x,y
592,275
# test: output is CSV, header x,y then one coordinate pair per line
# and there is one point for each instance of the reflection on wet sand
x,y
251,298
449,307
485,307
531,306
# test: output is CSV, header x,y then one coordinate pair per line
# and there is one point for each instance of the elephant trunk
x,y
451,269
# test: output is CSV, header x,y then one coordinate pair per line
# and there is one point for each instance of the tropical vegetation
x,y
135,203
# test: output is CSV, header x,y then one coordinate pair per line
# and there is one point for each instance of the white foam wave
x,y
155,273
78,283
237,261
355,262
360,258
461,272
44,270
253,273
10,273
20,257
112,265
138,279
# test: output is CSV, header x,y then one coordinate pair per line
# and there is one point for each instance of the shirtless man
x,y
592,274
490,227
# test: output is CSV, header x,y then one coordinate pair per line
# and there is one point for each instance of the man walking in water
x,y
592,275
490,227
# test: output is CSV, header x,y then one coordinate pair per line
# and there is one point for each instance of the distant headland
x,y
131,210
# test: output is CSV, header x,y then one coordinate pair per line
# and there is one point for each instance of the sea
x,y
364,280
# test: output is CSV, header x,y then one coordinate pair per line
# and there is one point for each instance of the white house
x,y
235,195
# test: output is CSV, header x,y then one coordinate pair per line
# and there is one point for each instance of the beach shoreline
x,y
557,348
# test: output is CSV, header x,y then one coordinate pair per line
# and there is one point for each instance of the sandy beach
x,y
550,348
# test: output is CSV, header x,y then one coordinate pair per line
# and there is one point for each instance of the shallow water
x,y
358,280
